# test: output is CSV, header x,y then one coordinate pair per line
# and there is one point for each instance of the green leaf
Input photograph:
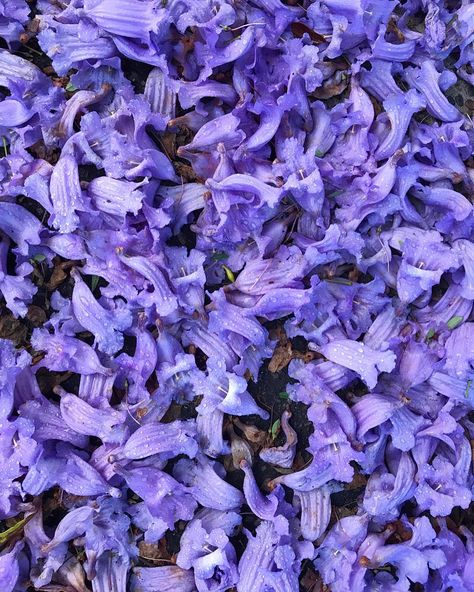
x,y
5,148
452,21
94,282
319,153
430,335
341,281
229,273
468,388
275,429
284,395
219,256
6,534
70,87
39,258
455,322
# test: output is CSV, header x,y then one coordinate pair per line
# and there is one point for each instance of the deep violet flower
x,y
105,325
9,568
195,197
155,438
170,578
284,455
362,359
205,481
206,548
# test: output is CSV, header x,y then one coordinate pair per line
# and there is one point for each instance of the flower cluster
x,y
184,186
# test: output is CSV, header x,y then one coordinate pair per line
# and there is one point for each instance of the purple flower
x,y
270,115
190,93
188,278
170,578
459,354
206,484
106,325
412,559
13,113
18,451
466,255
184,200
97,389
110,571
126,20
456,571
358,357
77,476
385,492
451,305
446,199
272,555
379,80
399,110
426,79
66,194
400,52
227,320
164,497
115,197
225,201
261,276
13,16
337,555
160,93
20,225
102,529
76,48
137,370
442,483
425,259
222,130
106,423
262,506
315,511
161,296
18,289
416,364
205,547
373,410
209,428
317,474
166,439
282,456
226,391
48,422
9,568
64,353
76,103
12,364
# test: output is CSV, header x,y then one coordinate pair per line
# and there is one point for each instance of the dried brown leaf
x,y
282,356
311,581
11,328
156,552
60,273
36,315
331,88
299,29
